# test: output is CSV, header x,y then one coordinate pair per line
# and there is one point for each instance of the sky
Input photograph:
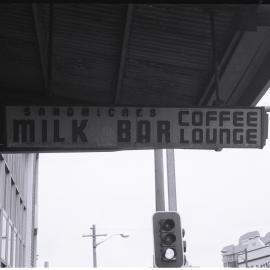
x,y
220,196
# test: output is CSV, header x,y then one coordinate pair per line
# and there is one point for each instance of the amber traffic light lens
x,y
168,239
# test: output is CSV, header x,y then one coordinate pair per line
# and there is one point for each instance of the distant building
x,y
18,209
252,251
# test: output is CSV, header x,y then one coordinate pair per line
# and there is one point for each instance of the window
x,y
20,253
9,244
13,263
23,253
5,174
17,259
13,202
4,238
24,224
1,220
2,183
7,193
17,221
21,220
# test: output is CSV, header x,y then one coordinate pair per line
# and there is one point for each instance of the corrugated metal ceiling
x,y
168,60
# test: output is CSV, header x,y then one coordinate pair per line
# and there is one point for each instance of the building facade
x,y
18,209
252,251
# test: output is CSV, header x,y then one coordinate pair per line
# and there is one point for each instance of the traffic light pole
x,y
159,180
172,201
168,242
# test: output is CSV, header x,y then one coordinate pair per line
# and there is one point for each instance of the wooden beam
x,y
257,85
20,96
41,35
50,51
124,49
244,57
247,59
209,91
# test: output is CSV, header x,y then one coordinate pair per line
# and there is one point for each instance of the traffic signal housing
x,y
168,242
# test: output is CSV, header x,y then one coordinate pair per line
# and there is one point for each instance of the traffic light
x,y
168,239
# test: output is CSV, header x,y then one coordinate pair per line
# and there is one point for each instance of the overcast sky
x,y
221,195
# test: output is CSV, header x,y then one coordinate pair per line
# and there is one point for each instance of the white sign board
x,y
118,128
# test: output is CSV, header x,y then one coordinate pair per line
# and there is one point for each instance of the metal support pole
x,y
246,258
171,180
94,246
159,180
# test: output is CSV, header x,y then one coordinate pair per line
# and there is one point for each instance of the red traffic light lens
x,y
167,225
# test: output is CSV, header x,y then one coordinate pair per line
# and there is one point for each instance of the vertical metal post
x,y
171,180
159,180
94,246
246,258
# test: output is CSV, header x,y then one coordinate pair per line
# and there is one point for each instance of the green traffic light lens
x,y
168,239
167,225
169,254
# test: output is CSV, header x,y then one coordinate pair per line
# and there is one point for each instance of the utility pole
x,y
93,228
95,244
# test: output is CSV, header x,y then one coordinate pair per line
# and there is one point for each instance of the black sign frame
x,y
6,147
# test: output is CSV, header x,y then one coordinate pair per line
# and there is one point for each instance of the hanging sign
x,y
119,128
